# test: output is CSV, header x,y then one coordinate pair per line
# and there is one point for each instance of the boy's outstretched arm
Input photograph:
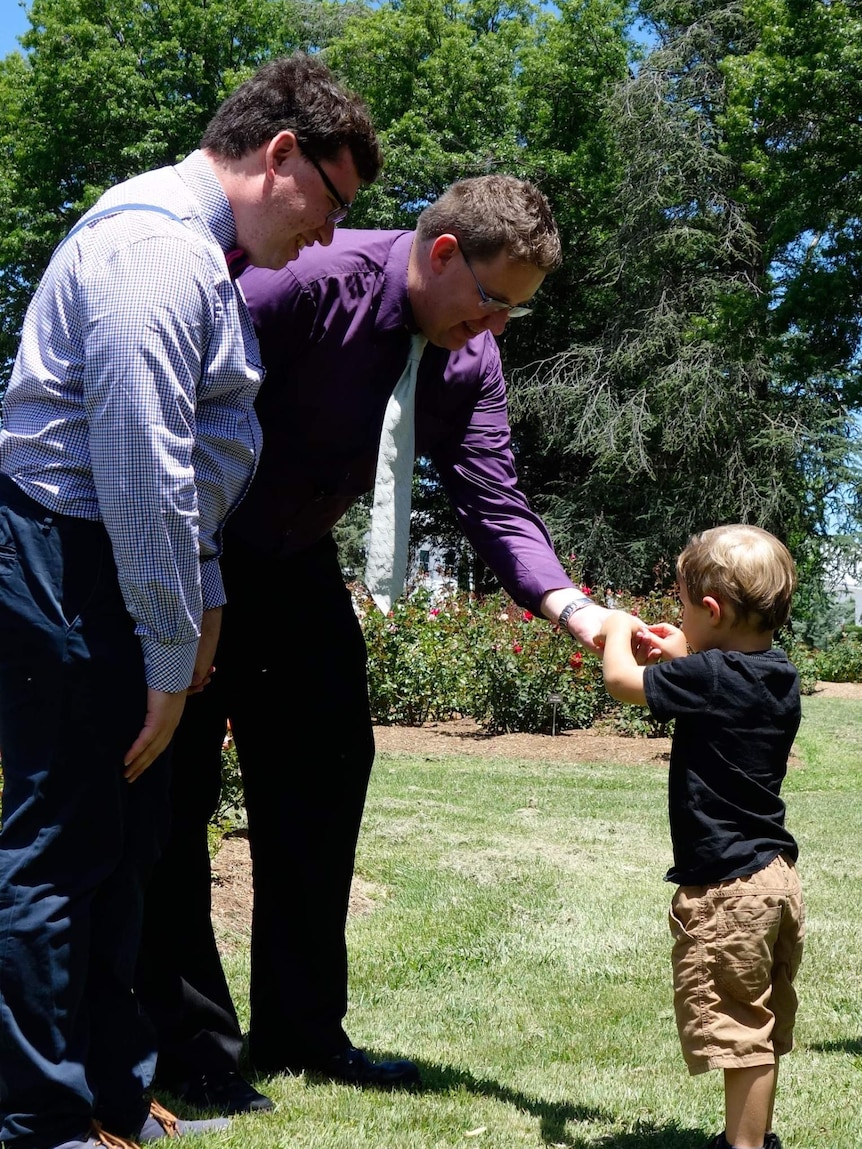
x,y
624,679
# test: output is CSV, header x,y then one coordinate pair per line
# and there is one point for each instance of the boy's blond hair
x,y
745,567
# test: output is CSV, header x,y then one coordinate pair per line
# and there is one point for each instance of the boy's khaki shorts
x,y
737,947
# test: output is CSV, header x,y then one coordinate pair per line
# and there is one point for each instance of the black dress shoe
x,y
355,1067
228,1093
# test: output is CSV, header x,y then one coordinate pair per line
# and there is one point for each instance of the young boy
x,y
737,918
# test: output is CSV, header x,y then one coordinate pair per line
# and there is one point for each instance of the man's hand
x,y
163,715
586,626
210,630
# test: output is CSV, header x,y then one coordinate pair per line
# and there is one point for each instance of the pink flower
x,y
527,616
576,660
587,590
635,612
434,611
516,647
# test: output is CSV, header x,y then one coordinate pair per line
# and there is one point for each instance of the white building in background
x,y
847,587
434,568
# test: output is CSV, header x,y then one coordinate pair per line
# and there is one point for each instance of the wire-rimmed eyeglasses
x,y
489,303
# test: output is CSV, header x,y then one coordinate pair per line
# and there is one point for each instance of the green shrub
x,y
842,660
527,676
803,658
419,660
230,814
493,661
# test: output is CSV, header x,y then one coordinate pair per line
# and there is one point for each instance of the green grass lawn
x,y
519,953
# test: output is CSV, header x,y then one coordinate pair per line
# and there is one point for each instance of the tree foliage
x,y
696,359
110,88
690,407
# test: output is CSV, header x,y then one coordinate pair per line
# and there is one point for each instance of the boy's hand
x,y
644,649
668,640
619,622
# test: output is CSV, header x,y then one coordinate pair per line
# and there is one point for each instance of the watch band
x,y
571,608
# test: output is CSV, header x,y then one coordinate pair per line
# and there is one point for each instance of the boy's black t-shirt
x,y
736,717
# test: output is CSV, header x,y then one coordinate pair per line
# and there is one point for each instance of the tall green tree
x,y
439,78
694,405
109,88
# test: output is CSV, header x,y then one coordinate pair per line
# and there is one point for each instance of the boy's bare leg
x,y
749,1098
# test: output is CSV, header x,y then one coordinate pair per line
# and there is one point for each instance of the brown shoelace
x,y
110,1140
165,1118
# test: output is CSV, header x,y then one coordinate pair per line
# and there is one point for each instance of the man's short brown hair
x,y
743,566
299,94
490,214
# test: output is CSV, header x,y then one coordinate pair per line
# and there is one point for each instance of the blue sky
x,y
13,22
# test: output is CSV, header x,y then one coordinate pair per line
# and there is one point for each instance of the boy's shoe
x,y
770,1141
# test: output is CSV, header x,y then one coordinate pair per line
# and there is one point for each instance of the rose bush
x,y
431,659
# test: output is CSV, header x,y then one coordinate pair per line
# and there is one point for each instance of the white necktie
x,y
389,537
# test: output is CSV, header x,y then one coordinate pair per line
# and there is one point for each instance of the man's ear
x,y
280,148
443,251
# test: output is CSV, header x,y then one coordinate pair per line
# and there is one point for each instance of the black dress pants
x,y
78,841
291,678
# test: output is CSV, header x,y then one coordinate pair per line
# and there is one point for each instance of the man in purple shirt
x,y
335,328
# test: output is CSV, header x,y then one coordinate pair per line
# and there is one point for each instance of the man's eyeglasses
x,y
338,214
489,303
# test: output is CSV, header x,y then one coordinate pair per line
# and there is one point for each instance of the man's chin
x,y
456,338
276,260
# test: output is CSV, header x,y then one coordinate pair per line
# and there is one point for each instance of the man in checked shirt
x,y
128,436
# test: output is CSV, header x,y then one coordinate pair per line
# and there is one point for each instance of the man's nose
x,y
496,322
325,234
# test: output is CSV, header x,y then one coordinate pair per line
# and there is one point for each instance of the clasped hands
x,y
650,643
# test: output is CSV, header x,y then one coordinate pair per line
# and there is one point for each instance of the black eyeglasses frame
x,y
340,213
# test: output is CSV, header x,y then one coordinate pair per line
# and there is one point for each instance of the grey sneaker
x,y
162,1123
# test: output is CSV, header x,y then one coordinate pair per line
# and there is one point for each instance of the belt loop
x,y
47,524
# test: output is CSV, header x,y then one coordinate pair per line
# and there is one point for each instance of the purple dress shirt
x,y
334,329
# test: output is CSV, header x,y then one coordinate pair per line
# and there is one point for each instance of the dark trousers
x,y
77,840
291,677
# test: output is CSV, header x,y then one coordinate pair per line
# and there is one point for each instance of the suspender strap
x,y
121,207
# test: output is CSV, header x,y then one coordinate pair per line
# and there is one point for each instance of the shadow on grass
x,y
845,1045
553,1116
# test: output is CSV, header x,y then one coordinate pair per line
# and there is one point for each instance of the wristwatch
x,y
571,608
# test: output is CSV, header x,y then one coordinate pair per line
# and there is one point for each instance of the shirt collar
x,y
395,309
197,174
